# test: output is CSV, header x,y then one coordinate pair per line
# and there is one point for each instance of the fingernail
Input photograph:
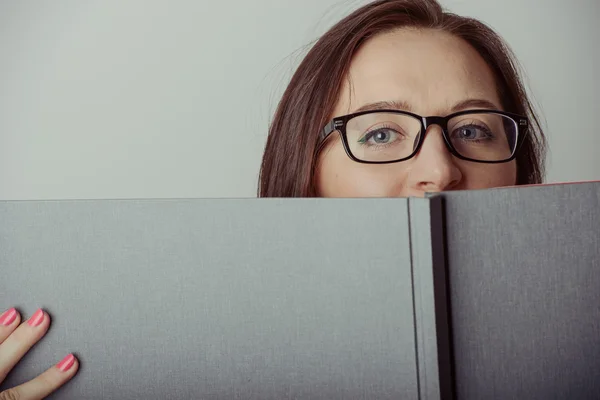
x,y
36,318
8,317
66,363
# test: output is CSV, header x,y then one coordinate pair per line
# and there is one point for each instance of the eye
x,y
472,132
380,136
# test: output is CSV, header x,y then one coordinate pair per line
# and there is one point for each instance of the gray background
x,y
156,98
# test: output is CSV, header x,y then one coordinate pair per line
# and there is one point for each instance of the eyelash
x,y
369,134
483,128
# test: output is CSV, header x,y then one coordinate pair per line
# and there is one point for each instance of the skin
x,y
17,337
432,72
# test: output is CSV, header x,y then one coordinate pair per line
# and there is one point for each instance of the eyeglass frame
x,y
339,124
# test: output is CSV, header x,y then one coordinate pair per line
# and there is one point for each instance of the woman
x,y
397,99
410,56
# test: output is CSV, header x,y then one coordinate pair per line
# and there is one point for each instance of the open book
x,y
485,294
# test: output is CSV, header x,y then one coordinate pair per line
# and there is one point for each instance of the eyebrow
x,y
405,106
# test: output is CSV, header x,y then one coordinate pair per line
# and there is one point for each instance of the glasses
x,y
388,136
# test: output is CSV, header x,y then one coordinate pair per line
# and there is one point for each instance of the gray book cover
x,y
524,284
230,298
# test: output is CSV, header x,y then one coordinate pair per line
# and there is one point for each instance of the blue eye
x,y
472,132
379,136
382,136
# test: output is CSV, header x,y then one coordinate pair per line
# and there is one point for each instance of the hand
x,y
15,340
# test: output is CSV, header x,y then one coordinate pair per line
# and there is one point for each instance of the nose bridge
x,y
434,168
439,121
434,120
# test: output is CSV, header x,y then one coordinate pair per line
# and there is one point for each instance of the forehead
x,y
429,70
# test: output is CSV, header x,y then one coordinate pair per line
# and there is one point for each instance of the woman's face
x,y
431,72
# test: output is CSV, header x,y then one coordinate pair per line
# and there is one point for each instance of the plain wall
x,y
156,98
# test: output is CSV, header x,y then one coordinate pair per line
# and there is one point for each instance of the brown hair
x,y
289,158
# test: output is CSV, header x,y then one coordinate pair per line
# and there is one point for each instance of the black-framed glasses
x,y
388,136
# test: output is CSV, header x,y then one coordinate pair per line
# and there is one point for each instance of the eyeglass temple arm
x,y
330,127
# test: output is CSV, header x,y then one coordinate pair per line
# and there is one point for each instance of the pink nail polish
x,y
66,363
8,317
36,318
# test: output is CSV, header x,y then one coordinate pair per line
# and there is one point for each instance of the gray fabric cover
x,y
524,278
223,299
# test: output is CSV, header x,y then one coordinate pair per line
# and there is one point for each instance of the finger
x,y
9,320
21,340
46,383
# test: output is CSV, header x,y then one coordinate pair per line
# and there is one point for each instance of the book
x,y
232,298
523,270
